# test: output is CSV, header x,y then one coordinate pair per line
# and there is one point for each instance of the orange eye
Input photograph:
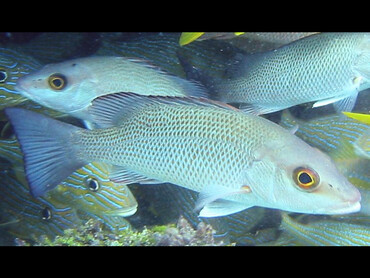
x,y
57,81
306,178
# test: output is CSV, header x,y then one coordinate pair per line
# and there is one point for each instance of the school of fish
x,y
187,119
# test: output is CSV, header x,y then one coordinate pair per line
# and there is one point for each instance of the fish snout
x,y
350,198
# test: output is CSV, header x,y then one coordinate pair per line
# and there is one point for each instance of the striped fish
x,y
327,232
30,218
334,134
88,189
13,65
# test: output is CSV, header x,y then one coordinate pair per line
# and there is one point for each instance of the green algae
x,y
93,233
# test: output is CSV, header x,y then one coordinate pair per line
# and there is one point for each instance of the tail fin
x,y
49,155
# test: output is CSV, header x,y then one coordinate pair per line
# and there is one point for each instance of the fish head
x,y
68,86
300,178
13,65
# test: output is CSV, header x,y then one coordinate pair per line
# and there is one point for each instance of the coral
x,y
93,233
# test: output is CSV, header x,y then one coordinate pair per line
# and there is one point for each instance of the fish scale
x,y
323,68
186,134
235,160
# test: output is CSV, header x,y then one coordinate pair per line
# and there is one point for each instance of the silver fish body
x,y
71,86
322,68
234,160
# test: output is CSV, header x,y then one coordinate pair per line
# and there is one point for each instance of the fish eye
x,y
92,184
46,214
57,81
306,179
3,75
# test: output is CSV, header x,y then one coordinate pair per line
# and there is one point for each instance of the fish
x,y
188,37
365,118
333,133
324,68
234,160
32,218
362,144
70,86
327,232
13,65
87,189
271,37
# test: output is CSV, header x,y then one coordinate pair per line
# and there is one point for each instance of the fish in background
x,y
365,118
188,37
323,232
362,144
87,193
88,189
14,65
235,160
338,136
323,68
29,218
271,37
71,86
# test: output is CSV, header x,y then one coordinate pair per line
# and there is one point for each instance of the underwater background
x,y
89,209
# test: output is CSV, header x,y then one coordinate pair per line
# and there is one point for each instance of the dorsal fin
x,y
109,110
190,87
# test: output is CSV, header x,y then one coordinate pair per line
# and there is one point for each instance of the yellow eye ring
x,y
57,81
306,179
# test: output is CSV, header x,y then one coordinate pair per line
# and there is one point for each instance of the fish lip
x,y
349,207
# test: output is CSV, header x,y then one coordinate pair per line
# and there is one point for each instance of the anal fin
x,y
346,104
120,174
222,207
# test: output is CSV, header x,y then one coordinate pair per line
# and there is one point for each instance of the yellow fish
x,y
188,37
364,118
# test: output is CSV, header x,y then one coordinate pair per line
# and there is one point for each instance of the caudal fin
x,y
49,154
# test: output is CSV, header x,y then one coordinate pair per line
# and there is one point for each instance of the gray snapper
x,y
323,68
71,86
235,160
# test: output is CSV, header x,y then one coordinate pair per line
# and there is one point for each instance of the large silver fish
x,y
70,86
322,68
235,160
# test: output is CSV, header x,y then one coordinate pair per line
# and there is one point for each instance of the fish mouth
x,y
125,212
348,207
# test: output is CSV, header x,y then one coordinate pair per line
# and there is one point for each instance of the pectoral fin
x,y
346,104
222,207
211,202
